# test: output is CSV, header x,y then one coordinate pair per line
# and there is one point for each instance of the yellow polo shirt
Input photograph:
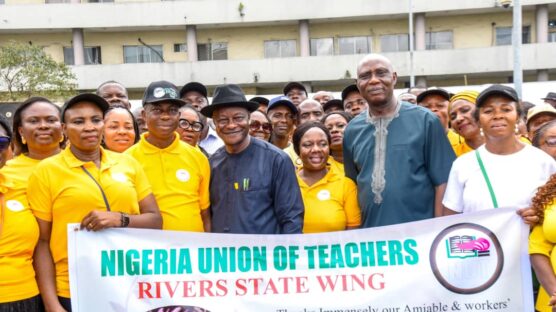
x,y
330,204
61,192
18,170
180,176
542,241
19,234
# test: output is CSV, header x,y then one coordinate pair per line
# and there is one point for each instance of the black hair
x,y
6,125
17,122
346,116
541,131
135,124
110,82
302,129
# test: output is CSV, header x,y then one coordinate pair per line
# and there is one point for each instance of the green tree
x,y
26,70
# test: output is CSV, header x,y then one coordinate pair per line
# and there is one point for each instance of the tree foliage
x,y
26,70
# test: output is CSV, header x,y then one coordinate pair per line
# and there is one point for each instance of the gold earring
x,y
23,141
62,139
481,132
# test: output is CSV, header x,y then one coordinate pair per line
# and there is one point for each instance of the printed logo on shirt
x,y
466,258
119,176
183,175
323,195
14,205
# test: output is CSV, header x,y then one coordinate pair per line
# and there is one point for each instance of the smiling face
x,y
119,133
232,126
354,103
83,126
439,106
259,126
162,119
547,141
188,133
463,119
314,149
498,117
336,124
41,127
282,121
376,80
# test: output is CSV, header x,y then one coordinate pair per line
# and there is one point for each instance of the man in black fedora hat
x,y
253,185
550,98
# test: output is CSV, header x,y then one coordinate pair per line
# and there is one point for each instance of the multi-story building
x,y
262,44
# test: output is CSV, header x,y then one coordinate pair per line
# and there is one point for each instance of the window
x,y
180,47
322,46
143,54
552,37
2,2
439,40
92,55
504,35
394,43
212,51
354,45
280,48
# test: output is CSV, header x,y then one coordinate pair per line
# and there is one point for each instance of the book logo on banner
x,y
466,258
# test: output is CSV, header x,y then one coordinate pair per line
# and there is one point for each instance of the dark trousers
x,y
65,302
33,304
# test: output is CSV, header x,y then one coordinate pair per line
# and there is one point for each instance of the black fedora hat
x,y
550,96
228,95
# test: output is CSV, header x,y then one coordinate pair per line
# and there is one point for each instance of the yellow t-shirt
x,y
179,176
19,233
330,204
458,143
542,241
18,170
61,192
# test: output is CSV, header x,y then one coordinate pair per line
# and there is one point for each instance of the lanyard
x,y
487,180
99,187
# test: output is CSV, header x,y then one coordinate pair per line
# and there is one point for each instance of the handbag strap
x,y
99,187
487,180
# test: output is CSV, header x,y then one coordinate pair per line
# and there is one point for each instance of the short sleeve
x,y
453,197
538,244
39,196
351,206
204,194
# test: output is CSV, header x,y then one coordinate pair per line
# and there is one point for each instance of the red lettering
x,y
328,283
222,290
145,290
205,287
188,290
286,281
380,283
301,286
171,291
240,285
270,287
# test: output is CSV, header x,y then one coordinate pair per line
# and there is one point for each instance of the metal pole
x,y
516,43
411,74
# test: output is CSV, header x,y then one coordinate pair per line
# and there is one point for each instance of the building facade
x,y
262,44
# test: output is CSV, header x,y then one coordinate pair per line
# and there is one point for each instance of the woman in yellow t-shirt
x,y
461,112
83,184
330,198
19,233
541,245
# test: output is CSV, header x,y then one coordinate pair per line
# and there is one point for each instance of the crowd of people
x,y
285,165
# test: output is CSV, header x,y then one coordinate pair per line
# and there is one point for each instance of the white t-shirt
x,y
514,179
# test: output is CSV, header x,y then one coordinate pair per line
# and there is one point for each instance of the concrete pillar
x,y
541,22
421,81
191,34
542,75
304,43
420,32
78,46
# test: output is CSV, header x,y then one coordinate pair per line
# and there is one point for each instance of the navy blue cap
x,y
282,101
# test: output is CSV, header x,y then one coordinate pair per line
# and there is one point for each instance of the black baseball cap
x,y
86,97
294,85
433,90
282,100
194,86
347,90
333,103
261,100
162,91
496,89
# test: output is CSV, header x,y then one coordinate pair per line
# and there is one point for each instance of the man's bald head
x,y
376,79
373,57
310,110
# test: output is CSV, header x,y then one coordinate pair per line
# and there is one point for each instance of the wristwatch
x,y
124,219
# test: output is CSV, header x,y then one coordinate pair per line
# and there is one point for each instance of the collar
x,y
148,148
372,119
106,160
330,176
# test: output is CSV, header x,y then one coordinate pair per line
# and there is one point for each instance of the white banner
x,y
472,262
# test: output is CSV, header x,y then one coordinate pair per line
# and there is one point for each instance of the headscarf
x,y
468,95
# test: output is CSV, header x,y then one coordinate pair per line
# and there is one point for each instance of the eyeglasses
x,y
551,141
193,125
4,142
256,125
